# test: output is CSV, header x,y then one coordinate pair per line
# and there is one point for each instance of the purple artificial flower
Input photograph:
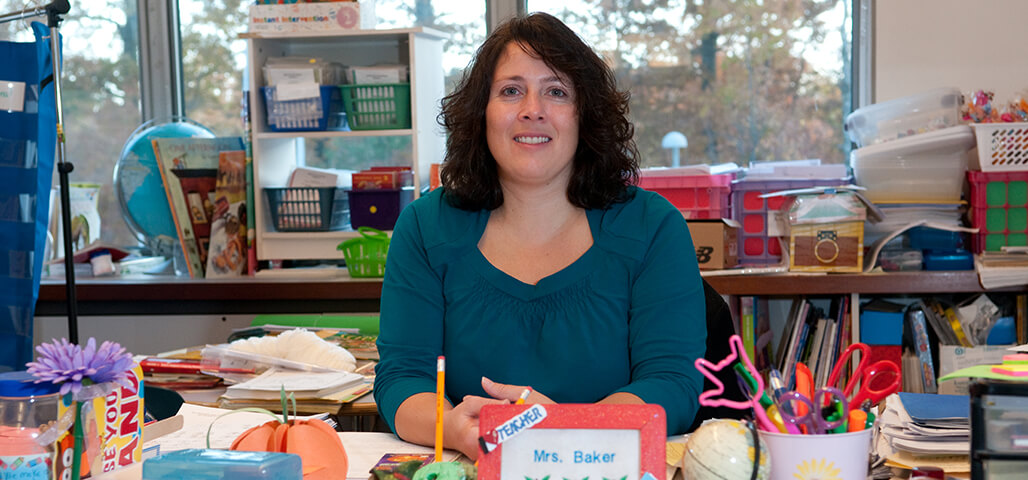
x,y
69,365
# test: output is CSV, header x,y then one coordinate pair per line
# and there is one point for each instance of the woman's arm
x,y
667,323
410,324
415,422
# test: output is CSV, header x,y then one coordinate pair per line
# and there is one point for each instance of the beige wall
x,y
968,44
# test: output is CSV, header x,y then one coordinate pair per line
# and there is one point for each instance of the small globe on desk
x,y
724,449
138,184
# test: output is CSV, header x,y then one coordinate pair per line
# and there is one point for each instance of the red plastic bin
x,y
999,209
696,196
752,213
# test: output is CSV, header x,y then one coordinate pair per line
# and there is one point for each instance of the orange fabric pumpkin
x,y
317,444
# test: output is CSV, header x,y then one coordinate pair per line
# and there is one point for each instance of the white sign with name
x,y
572,453
12,96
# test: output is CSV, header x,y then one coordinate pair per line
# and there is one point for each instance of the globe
x,y
723,449
138,184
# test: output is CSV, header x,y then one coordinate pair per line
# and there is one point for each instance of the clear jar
x,y
26,409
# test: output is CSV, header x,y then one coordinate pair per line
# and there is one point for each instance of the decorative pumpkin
x,y
314,441
317,444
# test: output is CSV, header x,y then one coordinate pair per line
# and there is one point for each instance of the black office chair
x,y
719,330
160,402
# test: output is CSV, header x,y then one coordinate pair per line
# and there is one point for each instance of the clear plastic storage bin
x,y
902,117
926,168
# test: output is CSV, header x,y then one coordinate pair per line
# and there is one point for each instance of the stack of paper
x,y
923,429
1003,269
304,385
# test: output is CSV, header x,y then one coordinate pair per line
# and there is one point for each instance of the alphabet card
x,y
580,442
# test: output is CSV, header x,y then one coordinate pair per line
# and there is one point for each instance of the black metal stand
x,y
53,12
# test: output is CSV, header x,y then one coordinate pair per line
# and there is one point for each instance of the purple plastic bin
x,y
377,208
754,213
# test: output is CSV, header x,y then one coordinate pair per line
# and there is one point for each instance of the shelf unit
x,y
275,154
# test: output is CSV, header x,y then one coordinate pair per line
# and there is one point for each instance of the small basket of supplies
x,y
377,106
308,209
366,255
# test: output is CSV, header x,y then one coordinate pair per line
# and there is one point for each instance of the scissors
x,y
877,380
814,418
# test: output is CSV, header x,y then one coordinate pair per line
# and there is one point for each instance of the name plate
x,y
623,442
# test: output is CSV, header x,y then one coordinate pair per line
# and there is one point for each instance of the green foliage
x,y
729,74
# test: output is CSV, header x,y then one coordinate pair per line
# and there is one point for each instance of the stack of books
x,y
185,373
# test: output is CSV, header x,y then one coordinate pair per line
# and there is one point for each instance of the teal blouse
x,y
626,316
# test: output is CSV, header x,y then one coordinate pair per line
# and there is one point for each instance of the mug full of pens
x,y
822,432
842,456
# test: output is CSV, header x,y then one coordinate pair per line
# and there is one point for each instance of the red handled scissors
x,y
877,380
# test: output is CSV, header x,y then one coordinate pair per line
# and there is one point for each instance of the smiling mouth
x,y
532,140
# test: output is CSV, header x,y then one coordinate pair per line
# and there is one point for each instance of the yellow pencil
x,y
440,393
524,396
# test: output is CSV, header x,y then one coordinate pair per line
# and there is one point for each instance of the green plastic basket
x,y
366,255
377,107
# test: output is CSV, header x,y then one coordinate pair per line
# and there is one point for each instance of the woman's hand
x,y
505,391
460,424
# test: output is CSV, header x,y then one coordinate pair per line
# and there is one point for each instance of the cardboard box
x,y
312,17
955,357
716,242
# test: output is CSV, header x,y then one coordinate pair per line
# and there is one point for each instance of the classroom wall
x,y
147,334
971,45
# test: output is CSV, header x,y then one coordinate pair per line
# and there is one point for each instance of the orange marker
x,y
856,420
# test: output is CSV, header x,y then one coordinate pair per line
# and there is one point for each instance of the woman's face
x,y
531,122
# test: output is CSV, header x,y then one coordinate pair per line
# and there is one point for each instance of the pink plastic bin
x,y
696,196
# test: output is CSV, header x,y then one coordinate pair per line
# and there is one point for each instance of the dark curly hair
x,y
606,159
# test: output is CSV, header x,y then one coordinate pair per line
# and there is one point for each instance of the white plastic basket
x,y
1002,147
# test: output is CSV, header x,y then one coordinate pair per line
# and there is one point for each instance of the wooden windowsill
x,y
168,295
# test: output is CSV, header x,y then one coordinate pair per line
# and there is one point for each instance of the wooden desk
x,y
149,295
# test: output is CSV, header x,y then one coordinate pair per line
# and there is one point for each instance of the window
x,y
213,59
463,21
769,80
743,81
100,93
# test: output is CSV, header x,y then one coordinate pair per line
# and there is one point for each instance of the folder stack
x,y
923,429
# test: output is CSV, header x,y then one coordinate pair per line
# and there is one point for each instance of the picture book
x,y
922,348
227,255
251,232
362,347
188,168
396,466
746,326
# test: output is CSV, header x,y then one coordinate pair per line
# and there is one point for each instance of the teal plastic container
x,y
210,464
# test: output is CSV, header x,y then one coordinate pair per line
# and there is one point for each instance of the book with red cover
x,y
374,180
177,365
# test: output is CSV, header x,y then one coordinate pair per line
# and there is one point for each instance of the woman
x,y
537,264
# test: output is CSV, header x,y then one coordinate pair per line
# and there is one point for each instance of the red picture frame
x,y
649,420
